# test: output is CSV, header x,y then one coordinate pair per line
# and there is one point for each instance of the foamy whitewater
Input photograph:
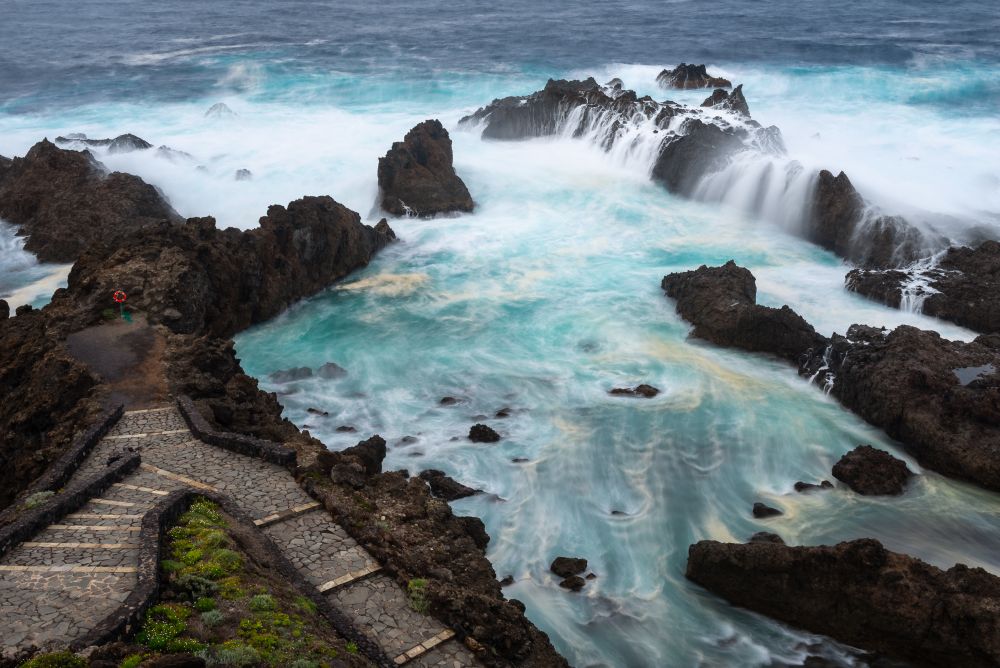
x,y
548,295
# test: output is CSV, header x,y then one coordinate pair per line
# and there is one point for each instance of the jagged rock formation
x,y
861,594
416,176
870,471
686,77
689,144
65,201
963,286
721,302
734,101
940,398
125,143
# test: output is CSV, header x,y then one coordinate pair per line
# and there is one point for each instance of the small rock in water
x,y
346,429
503,412
567,566
288,375
219,110
448,401
763,510
573,583
507,581
804,487
618,512
331,370
316,411
127,143
872,472
243,175
520,460
480,433
408,440
645,391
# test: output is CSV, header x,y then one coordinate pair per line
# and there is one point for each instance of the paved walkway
x,y
58,586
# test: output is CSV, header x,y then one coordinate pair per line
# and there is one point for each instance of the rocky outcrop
x,y
37,423
872,472
721,303
445,487
734,101
939,398
842,222
686,77
645,391
762,510
417,176
194,278
125,143
701,149
64,201
481,433
962,286
861,594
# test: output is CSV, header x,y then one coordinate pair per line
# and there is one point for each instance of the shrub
x,y
417,591
263,603
305,605
204,604
230,561
56,660
37,499
231,654
212,618
304,663
230,589
352,647
171,566
163,624
196,586
133,660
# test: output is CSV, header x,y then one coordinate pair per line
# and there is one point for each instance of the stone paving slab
x,y
450,654
379,607
318,548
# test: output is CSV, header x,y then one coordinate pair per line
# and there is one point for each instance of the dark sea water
x,y
549,294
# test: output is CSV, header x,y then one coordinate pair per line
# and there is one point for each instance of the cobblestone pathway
x,y
58,586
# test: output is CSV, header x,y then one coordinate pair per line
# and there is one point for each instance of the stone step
x,y
378,606
93,514
447,654
348,578
176,477
423,648
146,434
106,553
287,514
321,550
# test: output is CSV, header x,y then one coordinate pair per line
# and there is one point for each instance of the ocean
x,y
548,295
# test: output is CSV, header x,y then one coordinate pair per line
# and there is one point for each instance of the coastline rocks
x,y
861,594
644,391
806,487
219,110
417,176
869,471
567,566
939,398
446,487
839,213
355,465
330,371
64,201
686,77
481,433
195,278
721,304
762,510
127,143
703,148
4,309
289,375
733,101
963,286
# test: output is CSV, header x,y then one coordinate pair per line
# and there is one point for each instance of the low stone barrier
x,y
269,451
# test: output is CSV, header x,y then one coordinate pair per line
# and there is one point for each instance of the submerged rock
x,y
805,487
330,371
445,487
645,391
564,567
869,471
417,176
481,433
861,594
762,510
64,201
686,77
219,110
573,583
721,304
289,375
963,286
243,175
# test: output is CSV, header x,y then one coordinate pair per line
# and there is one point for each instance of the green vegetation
x,y
37,499
417,589
228,612
56,660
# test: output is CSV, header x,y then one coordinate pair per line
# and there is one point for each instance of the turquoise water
x,y
548,295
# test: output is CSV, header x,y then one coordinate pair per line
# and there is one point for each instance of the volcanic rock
x,y
962,287
127,143
445,487
869,471
330,371
289,375
481,433
4,309
219,110
766,537
762,510
564,567
417,177
734,101
645,391
702,149
804,487
863,595
64,201
243,175
721,304
573,583
686,77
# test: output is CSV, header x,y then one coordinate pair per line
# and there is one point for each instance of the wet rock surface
x,y
445,487
721,304
686,77
870,471
734,101
963,286
64,201
417,175
481,433
644,391
762,510
861,594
